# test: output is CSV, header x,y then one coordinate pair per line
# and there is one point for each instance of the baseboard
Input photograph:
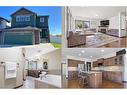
x,y
124,81
18,86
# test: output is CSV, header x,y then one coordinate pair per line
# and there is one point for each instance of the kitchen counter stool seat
x,y
83,81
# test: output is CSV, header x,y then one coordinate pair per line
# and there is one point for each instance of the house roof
x,y
22,9
43,15
4,19
23,28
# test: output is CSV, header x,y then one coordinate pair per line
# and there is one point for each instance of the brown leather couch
x,y
76,39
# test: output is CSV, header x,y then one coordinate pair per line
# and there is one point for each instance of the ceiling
x,y
37,52
97,12
87,53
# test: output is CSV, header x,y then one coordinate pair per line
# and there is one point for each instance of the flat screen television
x,y
104,22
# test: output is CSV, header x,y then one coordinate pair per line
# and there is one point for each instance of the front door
x,y
45,35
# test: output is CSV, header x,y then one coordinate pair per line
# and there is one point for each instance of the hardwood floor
x,y
109,84
122,43
73,84
106,84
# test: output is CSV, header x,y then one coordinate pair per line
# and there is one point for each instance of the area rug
x,y
99,40
113,33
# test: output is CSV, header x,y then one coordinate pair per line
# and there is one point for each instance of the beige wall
x,y
12,55
94,23
64,27
1,76
54,61
114,22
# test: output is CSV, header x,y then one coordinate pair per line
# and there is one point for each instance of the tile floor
x,y
28,83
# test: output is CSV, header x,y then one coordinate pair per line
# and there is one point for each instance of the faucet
x,y
43,74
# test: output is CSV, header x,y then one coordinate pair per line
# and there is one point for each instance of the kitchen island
x,y
95,79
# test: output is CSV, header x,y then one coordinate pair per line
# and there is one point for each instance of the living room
x,y
94,27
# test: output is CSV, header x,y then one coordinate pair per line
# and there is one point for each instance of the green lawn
x,y
56,45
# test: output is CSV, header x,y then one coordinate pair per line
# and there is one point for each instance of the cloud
x,y
9,24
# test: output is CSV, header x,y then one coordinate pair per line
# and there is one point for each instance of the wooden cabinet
x,y
95,64
74,63
113,61
98,62
106,62
34,73
73,74
95,80
120,60
114,76
101,60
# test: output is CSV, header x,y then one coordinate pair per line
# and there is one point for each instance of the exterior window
x,y
42,19
27,18
17,18
22,18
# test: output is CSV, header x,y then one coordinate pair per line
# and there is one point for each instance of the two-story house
x,y
27,28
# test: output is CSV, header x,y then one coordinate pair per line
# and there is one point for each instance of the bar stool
x,y
83,80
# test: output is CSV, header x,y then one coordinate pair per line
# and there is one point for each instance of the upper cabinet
x,y
112,61
74,63
95,64
120,60
98,63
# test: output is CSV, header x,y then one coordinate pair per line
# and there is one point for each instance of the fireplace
x,y
103,30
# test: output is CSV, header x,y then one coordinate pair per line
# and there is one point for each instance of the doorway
x,y
88,64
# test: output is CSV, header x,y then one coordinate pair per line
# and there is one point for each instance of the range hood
x,y
121,52
100,62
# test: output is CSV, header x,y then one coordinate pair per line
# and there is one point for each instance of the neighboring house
x,y
3,25
27,28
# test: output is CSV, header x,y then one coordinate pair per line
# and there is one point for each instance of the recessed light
x,y
96,15
91,56
102,50
83,51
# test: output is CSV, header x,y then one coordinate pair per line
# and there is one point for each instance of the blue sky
x,y
53,12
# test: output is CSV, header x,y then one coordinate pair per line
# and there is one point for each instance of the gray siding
x,y
42,24
32,21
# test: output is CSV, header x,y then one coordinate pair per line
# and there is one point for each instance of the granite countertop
x,y
92,72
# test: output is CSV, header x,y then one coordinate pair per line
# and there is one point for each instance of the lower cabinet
x,y
72,74
114,76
